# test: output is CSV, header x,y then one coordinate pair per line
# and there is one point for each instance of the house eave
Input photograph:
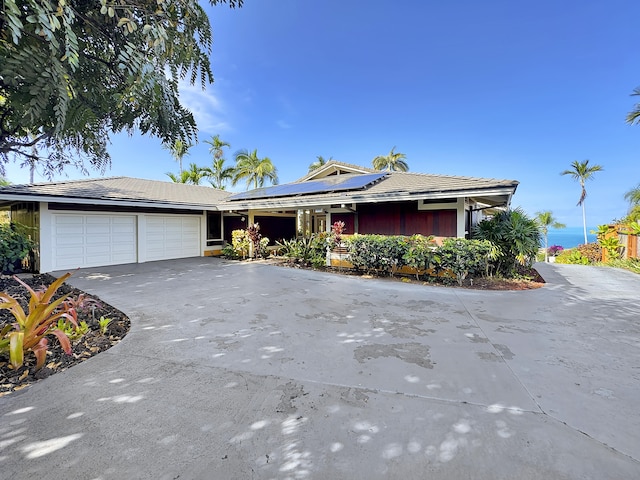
x,y
10,198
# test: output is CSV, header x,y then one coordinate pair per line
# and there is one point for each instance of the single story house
x,y
108,221
369,202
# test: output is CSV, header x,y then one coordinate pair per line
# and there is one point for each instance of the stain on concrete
x,y
476,338
400,327
489,356
290,392
356,397
504,351
413,352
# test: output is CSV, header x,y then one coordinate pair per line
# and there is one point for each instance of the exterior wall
x,y
405,219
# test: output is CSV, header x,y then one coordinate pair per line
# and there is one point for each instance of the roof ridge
x,y
77,180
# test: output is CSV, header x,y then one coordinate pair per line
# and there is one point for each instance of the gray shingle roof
x,y
121,189
395,186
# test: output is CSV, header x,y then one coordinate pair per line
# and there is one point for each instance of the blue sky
x,y
501,89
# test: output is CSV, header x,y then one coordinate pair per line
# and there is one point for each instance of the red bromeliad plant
x,y
29,331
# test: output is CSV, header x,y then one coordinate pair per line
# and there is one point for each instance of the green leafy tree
x,y
4,182
218,174
320,161
581,172
394,161
546,220
253,169
74,72
633,196
193,175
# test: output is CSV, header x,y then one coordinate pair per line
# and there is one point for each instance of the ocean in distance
x,y
570,237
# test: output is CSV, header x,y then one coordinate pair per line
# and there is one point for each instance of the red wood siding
x,y
405,219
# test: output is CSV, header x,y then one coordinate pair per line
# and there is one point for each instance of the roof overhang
x,y
499,196
7,199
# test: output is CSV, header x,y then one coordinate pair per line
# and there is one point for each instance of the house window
x,y
214,228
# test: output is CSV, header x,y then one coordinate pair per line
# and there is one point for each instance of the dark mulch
x,y
89,345
527,279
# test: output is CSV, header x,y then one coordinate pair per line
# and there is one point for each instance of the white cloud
x,y
208,110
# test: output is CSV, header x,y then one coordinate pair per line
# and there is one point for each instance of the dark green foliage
x,y
15,245
516,237
377,252
463,257
73,72
309,250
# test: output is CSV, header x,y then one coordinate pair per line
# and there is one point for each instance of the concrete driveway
x,y
250,371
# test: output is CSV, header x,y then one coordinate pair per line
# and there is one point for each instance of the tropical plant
x,y
581,172
515,236
320,161
546,220
178,149
633,195
193,175
103,323
253,169
554,250
612,246
4,182
30,330
73,332
72,73
240,243
15,245
633,117
393,161
218,174
572,256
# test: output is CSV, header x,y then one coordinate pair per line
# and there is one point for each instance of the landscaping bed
x,y
90,344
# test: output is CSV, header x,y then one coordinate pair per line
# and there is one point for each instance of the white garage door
x,y
173,236
81,240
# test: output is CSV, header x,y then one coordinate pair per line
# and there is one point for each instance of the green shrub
x,y
515,236
419,253
463,257
15,245
384,254
572,256
631,264
308,250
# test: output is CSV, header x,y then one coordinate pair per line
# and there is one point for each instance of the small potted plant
x,y
554,250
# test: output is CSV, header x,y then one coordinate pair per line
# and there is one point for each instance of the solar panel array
x,y
334,183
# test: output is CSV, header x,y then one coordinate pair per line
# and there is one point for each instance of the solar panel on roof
x,y
334,183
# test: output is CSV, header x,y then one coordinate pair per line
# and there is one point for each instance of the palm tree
x,y
255,170
319,163
216,147
581,172
634,115
545,221
218,174
633,196
193,175
178,149
394,161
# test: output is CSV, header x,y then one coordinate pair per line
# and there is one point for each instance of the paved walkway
x,y
249,371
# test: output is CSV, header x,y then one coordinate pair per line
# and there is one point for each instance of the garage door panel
x,y
172,236
92,240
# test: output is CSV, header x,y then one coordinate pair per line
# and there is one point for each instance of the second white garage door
x,y
172,236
